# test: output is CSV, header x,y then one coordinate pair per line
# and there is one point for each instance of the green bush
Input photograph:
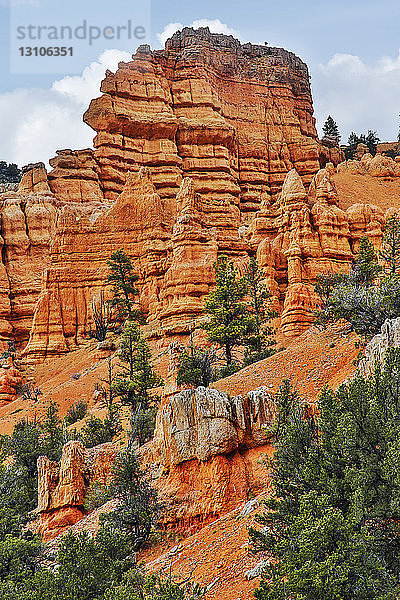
x,y
98,432
332,527
197,367
76,412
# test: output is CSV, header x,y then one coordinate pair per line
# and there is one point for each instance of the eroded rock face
x,y
202,423
376,349
179,111
203,460
10,381
28,222
62,486
206,450
376,166
205,148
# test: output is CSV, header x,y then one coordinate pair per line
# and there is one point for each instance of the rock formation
x,y
376,349
202,423
376,166
205,148
203,461
63,486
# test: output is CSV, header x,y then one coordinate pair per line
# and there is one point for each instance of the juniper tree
x,y
123,280
390,249
230,321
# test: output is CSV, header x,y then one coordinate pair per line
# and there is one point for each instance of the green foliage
x,y
97,431
366,267
230,322
197,367
333,524
29,440
18,557
331,129
239,312
143,424
138,506
360,297
370,139
9,173
101,567
123,281
390,249
133,384
260,344
76,412
230,369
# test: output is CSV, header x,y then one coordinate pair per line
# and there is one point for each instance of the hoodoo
x,y
208,147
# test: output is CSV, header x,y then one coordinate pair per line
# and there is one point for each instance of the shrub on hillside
x,y
76,412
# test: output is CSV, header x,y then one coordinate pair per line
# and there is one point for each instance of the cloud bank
x,y
37,122
359,96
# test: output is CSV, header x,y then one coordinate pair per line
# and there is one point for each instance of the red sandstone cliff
x,y
206,147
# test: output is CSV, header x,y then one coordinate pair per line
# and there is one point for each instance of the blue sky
x,y
351,48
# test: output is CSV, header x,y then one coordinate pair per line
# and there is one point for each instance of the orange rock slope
x,y
206,459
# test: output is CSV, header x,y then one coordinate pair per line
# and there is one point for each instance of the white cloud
x,y
86,86
37,122
169,31
359,96
214,25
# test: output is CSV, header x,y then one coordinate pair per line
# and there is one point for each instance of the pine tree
x,y
260,344
331,129
366,267
332,524
138,508
9,173
123,280
371,140
137,378
230,322
390,249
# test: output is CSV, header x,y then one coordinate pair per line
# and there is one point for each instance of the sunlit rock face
x,y
205,148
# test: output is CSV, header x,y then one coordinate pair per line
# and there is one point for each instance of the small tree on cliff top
x,y
331,129
230,322
123,280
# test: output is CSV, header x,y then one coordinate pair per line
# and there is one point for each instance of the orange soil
x,y
353,189
311,361
217,556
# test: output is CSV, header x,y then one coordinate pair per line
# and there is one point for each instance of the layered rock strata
x,y
205,148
